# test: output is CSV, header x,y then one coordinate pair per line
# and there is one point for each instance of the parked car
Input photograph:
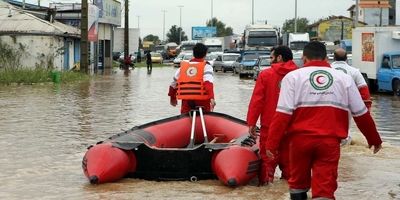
x,y
178,59
210,58
263,62
244,65
156,57
187,57
225,61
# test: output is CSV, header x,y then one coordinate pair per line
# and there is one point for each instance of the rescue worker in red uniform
x,y
263,102
193,83
313,111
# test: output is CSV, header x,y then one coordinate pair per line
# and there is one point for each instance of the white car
x,y
178,59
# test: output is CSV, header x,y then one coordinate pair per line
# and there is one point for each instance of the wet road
x,y
45,129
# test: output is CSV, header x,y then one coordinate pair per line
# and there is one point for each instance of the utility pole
x,y
295,16
138,21
356,14
39,3
84,38
212,12
180,24
126,34
380,14
23,4
252,11
164,11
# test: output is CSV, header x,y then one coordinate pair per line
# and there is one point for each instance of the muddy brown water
x,y
45,129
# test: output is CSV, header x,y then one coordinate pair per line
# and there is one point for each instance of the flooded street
x,y
45,130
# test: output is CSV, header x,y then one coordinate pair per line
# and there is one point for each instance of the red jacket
x,y
266,93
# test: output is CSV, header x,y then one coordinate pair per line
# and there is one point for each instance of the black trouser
x,y
149,66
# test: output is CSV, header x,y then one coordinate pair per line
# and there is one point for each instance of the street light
x,y
180,23
138,24
295,16
164,11
212,10
252,12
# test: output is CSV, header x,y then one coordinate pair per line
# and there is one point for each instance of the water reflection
x,y
45,129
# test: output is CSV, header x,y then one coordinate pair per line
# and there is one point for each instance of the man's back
x,y
325,94
352,71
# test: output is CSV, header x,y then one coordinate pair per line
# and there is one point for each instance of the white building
x,y
39,42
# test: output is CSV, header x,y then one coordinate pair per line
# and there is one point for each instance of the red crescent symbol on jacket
x,y
319,81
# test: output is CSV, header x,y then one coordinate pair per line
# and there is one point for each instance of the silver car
x,y
263,62
225,61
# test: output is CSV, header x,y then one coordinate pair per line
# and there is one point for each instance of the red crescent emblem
x,y
319,81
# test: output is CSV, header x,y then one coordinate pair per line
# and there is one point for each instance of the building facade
x,y
37,42
334,28
106,15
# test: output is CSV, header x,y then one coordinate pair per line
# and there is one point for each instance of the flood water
x,y
45,129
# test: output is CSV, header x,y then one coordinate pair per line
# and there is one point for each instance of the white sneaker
x,y
346,141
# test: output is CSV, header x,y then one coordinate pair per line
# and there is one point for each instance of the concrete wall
x,y
371,16
105,33
46,51
42,51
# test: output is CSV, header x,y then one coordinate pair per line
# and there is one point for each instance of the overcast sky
x,y
234,13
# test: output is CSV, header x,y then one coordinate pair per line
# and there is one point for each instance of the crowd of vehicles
x,y
374,50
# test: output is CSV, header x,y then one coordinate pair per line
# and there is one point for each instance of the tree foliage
x,y
152,38
288,26
222,30
173,34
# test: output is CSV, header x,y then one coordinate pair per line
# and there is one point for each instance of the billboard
x,y
93,23
110,11
199,32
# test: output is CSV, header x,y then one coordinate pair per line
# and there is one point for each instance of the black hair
x,y
338,57
315,51
283,51
200,50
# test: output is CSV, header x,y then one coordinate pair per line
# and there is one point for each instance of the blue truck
x,y
376,53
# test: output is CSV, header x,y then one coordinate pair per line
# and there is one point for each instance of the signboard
x,y
110,11
93,23
199,32
368,48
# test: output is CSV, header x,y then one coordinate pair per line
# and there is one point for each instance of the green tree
x,y
222,30
302,24
173,34
152,38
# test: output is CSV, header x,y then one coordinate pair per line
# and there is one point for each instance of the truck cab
x,y
389,72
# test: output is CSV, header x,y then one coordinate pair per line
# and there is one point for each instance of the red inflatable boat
x,y
185,147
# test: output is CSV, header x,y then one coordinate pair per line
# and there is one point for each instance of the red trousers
x,y
314,163
188,105
268,166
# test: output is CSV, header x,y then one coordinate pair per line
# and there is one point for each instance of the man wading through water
x,y
193,83
313,111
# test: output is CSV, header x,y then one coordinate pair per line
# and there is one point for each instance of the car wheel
x,y
396,87
241,75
